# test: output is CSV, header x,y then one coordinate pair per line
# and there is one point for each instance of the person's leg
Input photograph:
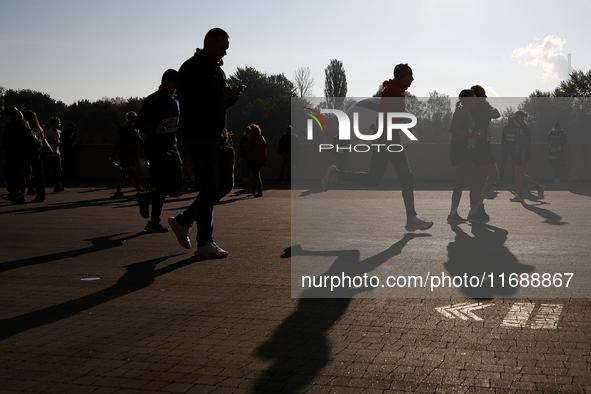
x,y
257,184
406,178
214,168
284,159
555,169
58,173
377,169
513,164
461,179
502,169
519,174
167,175
488,176
39,180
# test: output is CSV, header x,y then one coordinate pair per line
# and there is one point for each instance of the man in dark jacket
x,y
204,98
158,120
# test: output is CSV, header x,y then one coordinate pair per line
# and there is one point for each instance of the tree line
x,y
267,101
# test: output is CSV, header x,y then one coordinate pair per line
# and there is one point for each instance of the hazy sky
x,y
82,49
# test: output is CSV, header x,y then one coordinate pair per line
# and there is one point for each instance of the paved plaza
x,y
92,303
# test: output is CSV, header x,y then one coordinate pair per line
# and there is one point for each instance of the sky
x,y
88,49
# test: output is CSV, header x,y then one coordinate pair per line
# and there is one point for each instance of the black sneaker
x,y
476,218
455,218
482,213
18,199
143,200
153,227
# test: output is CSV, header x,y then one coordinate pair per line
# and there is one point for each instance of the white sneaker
x,y
211,250
417,224
329,178
181,232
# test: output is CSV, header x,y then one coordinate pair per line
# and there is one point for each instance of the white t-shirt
x,y
53,137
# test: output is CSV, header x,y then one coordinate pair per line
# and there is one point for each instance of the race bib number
x,y
171,124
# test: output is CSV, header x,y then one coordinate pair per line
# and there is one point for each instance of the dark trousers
x,y
14,174
56,163
377,169
38,178
285,165
214,169
167,176
556,168
503,161
257,183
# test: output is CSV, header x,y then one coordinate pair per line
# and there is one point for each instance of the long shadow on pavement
x,y
551,217
138,276
98,244
485,252
300,346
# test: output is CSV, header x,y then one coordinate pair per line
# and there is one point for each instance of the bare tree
x,y
304,81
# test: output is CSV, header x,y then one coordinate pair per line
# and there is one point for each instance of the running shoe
x,y
329,178
181,232
476,218
18,199
482,213
541,191
153,227
210,250
455,218
417,224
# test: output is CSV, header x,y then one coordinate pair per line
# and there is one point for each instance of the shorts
x,y
459,153
519,162
482,155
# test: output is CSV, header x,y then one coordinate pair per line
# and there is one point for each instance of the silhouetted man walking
x,y
204,97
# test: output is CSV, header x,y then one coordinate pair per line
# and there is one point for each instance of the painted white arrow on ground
x,y
463,310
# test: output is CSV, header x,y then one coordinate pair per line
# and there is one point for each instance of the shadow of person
x,y
98,244
551,217
138,276
300,345
479,256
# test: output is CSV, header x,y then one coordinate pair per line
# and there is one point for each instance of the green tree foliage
x,y
96,121
578,85
265,101
569,104
335,85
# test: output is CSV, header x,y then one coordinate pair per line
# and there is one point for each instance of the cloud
x,y
547,55
490,92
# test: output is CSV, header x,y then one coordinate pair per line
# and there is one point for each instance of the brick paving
x,y
160,321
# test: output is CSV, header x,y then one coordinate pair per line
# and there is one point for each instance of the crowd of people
x,y
470,153
184,121
32,151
